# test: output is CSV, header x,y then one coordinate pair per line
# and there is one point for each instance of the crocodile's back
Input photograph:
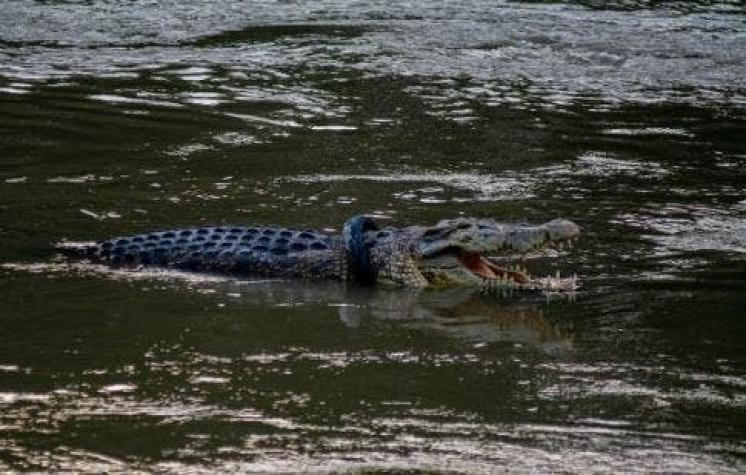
x,y
243,250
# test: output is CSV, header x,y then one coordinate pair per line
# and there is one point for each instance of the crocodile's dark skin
x,y
249,250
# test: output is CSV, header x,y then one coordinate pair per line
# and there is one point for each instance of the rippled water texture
x,y
123,117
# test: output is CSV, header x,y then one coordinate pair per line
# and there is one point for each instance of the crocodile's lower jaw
x,y
518,277
499,276
477,270
555,283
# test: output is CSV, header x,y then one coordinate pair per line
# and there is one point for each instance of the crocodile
x,y
462,251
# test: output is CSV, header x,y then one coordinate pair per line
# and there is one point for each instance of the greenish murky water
x,y
627,117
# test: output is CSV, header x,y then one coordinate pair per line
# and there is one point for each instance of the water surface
x,y
627,117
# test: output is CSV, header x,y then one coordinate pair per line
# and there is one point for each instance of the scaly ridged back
x,y
266,251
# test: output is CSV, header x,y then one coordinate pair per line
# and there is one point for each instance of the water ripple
x,y
486,187
680,228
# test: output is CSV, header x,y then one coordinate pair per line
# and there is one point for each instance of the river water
x,y
625,116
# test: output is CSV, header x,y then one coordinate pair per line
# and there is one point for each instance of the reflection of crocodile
x,y
463,314
450,252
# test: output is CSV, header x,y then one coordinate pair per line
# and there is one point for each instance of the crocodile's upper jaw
x,y
455,252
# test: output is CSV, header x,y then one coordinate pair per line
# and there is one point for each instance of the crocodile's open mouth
x,y
454,264
513,276
483,267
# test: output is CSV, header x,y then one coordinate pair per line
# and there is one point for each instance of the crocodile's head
x,y
477,252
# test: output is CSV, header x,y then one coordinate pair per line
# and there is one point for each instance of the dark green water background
x,y
122,117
